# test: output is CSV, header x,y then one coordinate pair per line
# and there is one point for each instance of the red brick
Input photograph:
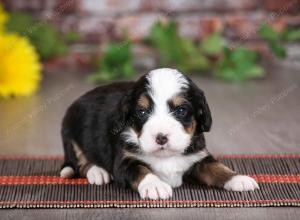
x,y
210,25
67,6
189,26
113,6
49,4
137,26
197,27
282,22
66,23
282,6
74,60
241,27
292,20
33,5
278,24
195,5
92,29
95,29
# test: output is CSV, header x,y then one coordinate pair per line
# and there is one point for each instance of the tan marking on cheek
x,y
191,129
144,102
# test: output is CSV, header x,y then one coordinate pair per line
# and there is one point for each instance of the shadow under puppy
x,y
146,135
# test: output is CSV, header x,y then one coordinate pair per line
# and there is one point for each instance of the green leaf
x,y
213,44
115,63
48,41
99,76
44,37
277,49
256,71
176,51
291,34
20,22
72,36
267,33
238,64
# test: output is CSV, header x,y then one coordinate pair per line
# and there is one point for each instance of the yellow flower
x,y
20,70
3,18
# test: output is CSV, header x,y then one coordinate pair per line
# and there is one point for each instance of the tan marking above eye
x,y
144,102
178,100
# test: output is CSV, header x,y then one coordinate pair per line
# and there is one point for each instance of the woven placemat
x,y
33,182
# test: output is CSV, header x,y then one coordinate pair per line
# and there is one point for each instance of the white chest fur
x,y
171,169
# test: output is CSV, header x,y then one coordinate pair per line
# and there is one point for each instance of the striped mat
x,y
33,182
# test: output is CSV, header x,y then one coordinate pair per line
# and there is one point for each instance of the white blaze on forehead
x,y
164,84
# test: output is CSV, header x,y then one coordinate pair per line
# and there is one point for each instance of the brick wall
x,y
101,20
98,20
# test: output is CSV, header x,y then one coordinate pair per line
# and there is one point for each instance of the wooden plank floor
x,y
255,117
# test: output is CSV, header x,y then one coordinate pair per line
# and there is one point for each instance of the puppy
x,y
146,135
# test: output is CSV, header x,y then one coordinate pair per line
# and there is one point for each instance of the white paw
x,y
67,172
241,183
97,175
153,188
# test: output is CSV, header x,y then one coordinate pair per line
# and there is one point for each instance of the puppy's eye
x,y
142,112
181,111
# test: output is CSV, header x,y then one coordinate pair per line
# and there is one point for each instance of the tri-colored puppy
x,y
147,135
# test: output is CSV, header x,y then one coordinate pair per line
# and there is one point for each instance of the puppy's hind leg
x,y
70,167
95,174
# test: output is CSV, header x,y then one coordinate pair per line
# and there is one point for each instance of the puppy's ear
x,y
120,116
202,112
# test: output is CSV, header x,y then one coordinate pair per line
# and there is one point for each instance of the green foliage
x,y
115,63
43,36
213,45
275,39
211,55
291,34
72,37
238,64
268,33
233,65
175,50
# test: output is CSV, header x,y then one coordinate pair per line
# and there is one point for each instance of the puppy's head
x,y
163,112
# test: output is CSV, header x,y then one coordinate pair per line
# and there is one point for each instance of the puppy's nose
x,y
161,139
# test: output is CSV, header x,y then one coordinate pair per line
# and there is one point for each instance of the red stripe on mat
x,y
120,202
61,157
39,180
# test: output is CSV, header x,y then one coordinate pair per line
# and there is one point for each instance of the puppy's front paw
x,y
97,175
241,183
67,172
153,188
